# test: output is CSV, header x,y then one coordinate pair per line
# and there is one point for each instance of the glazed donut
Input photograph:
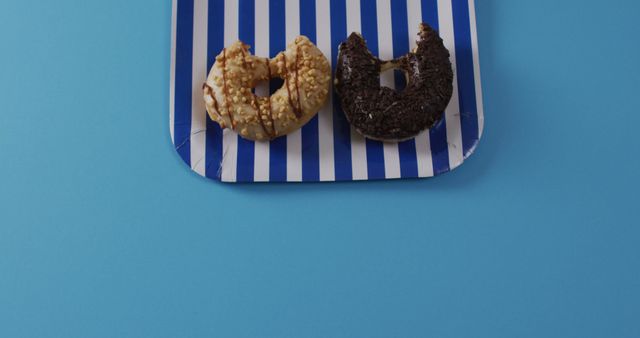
x,y
382,113
231,103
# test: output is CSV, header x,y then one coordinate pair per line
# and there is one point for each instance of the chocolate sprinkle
x,y
382,113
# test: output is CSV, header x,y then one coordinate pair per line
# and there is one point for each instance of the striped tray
x,y
326,149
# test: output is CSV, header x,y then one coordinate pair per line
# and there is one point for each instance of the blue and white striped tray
x,y
326,149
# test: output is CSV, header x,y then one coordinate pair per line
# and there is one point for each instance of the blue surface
x,y
105,233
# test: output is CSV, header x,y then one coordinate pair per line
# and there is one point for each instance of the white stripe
x,y
199,76
476,65
358,143
294,139
385,43
172,75
325,116
229,137
423,151
414,18
353,17
452,113
423,143
261,48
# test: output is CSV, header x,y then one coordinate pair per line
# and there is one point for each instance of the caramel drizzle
x,y
224,87
213,96
299,111
286,84
273,124
244,61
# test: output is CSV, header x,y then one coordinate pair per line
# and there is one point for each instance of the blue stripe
x,y
310,140
215,43
246,148
341,128
400,31
438,133
184,58
466,83
430,13
439,147
375,152
277,43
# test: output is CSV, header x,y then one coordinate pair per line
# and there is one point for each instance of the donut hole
x,y
275,84
265,88
394,76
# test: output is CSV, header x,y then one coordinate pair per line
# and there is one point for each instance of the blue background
x,y
104,232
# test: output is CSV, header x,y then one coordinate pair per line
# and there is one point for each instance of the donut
x,y
231,103
385,114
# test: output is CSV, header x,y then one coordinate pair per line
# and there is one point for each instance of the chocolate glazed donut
x,y
382,113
